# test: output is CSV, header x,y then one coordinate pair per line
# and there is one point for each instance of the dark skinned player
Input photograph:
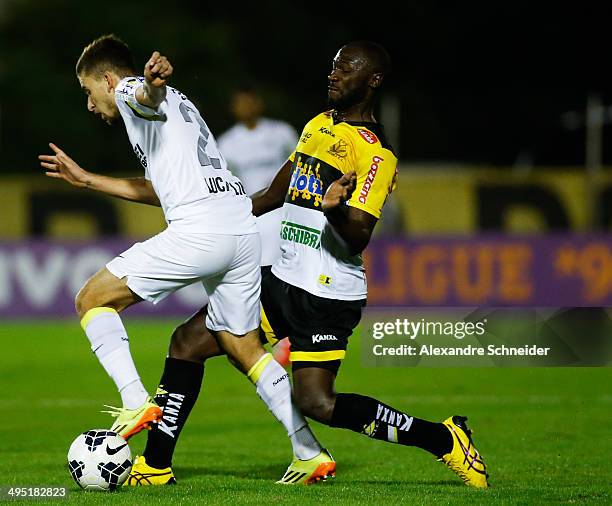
x,y
332,190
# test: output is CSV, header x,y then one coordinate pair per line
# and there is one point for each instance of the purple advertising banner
x,y
555,271
41,278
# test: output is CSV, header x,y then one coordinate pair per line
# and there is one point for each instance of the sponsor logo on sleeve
x,y
367,136
140,154
367,185
127,86
326,131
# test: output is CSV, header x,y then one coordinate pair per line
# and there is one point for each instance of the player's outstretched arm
x,y
353,225
273,197
60,166
157,71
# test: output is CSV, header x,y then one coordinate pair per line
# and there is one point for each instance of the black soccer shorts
x,y
318,328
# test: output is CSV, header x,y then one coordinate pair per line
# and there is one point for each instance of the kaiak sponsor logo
x,y
277,381
305,137
368,136
170,414
317,338
367,185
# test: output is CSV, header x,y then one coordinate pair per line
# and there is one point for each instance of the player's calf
x,y
98,304
316,406
177,393
314,389
314,393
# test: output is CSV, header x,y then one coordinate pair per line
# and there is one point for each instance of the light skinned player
x,y
211,238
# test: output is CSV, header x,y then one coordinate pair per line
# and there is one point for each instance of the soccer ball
x,y
99,459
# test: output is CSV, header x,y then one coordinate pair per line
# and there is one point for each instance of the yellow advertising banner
x,y
427,201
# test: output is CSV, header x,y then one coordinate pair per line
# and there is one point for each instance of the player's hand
x,y
157,70
339,191
61,166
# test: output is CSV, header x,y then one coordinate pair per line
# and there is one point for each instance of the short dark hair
x,y
376,55
104,53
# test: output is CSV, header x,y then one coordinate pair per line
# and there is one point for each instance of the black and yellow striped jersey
x,y
313,256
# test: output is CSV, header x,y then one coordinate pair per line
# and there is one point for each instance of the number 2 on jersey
x,y
202,139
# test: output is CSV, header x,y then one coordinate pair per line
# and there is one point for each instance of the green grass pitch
x,y
545,433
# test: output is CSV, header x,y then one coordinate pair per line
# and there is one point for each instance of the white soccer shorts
x,y
269,226
227,266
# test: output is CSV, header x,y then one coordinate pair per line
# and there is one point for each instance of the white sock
x,y
274,388
305,444
109,341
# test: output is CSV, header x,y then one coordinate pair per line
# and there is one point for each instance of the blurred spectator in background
x,y
255,148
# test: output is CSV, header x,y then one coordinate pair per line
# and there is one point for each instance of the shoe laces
x,y
113,411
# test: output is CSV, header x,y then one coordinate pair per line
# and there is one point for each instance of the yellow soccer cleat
x,y
143,474
131,421
464,458
308,472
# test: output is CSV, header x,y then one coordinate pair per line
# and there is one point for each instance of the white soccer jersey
x,y
255,155
181,159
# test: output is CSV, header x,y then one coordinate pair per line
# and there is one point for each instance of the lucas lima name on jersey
x,y
181,159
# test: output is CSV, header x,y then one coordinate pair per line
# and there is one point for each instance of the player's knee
x,y
85,300
97,292
189,343
316,405
181,343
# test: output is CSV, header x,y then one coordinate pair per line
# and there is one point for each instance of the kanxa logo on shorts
x,y
317,338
